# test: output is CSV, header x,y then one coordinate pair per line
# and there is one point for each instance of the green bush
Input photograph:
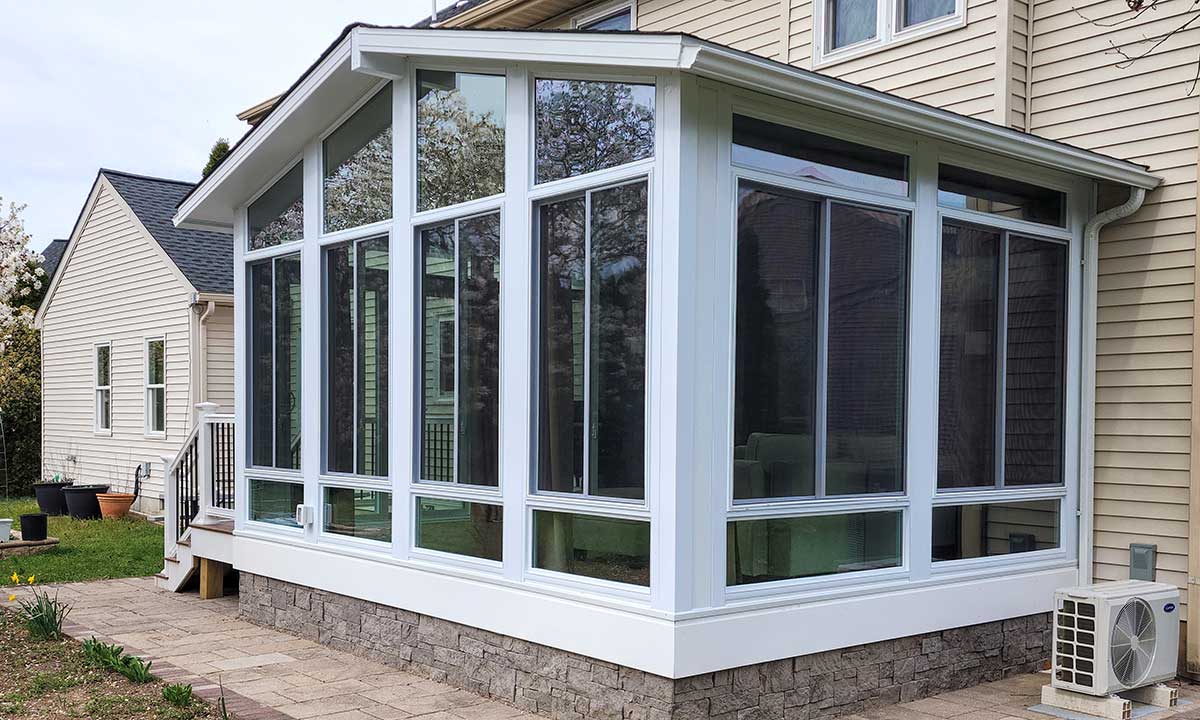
x,y
43,615
21,407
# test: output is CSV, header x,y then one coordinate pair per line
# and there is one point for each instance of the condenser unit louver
x,y
1115,636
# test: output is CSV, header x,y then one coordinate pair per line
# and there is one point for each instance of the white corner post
x,y
204,469
170,504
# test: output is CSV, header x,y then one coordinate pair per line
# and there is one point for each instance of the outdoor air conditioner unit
x,y
1115,636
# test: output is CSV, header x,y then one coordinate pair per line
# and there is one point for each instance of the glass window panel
x,y
275,502
972,531
770,549
277,216
262,364
446,341
967,382
919,11
620,21
104,408
1035,362
358,166
851,21
154,362
158,410
103,368
585,125
803,154
775,368
460,527
353,512
983,192
339,358
868,290
287,362
597,547
460,137
372,269
617,335
563,258
437,312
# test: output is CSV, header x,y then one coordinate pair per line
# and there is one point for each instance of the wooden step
x,y
172,559
162,576
223,526
186,542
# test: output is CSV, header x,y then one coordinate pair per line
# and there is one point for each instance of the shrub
x,y
178,695
43,615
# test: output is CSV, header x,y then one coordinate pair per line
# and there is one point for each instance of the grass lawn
x,y
52,679
88,549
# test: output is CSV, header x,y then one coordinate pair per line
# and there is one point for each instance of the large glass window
x,y
274,349
356,365
621,20
358,513
275,502
915,12
592,342
103,387
769,549
1000,528
586,125
968,189
460,288
1002,359
598,547
818,278
460,527
357,162
460,137
851,21
156,386
277,216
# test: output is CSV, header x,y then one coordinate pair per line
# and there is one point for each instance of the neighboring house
x,y
137,328
633,375
52,255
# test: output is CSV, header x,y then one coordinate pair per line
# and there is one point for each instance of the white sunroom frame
x,y
687,622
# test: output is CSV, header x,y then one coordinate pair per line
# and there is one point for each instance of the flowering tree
x,y
22,279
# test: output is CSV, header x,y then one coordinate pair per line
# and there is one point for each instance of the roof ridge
x,y
137,176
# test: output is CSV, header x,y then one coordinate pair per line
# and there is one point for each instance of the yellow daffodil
x,y
31,577
16,578
12,597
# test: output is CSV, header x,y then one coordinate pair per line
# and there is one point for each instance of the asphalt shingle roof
x,y
445,14
204,258
51,256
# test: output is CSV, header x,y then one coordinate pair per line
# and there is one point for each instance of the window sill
x,y
102,433
931,28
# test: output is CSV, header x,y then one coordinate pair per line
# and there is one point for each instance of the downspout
x,y
202,361
1091,245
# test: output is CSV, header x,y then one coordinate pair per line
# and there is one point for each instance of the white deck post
x,y
170,505
204,468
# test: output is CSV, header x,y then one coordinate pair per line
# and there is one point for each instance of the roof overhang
x,y
365,53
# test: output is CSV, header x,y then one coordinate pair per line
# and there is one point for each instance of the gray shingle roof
x,y
52,255
204,258
445,14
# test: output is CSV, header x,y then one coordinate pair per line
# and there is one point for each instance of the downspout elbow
x,y
1091,231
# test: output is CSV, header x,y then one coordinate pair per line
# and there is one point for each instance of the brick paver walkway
x,y
270,675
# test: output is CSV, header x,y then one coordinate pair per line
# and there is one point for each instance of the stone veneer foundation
x,y
562,685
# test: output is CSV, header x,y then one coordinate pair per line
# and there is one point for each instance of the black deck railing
x,y
221,461
187,487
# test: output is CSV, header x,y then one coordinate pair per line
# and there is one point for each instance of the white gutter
x,y
1087,439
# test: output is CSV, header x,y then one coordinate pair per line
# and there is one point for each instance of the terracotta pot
x,y
114,505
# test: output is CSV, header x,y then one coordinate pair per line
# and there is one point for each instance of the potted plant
x,y
81,501
5,529
49,494
33,527
115,505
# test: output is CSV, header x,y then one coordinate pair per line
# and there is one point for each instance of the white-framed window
x,y
102,379
273,370
844,29
609,16
356,167
156,386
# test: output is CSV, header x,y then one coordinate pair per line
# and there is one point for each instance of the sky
x,y
145,86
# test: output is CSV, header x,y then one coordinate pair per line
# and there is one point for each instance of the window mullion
x,y
819,418
274,366
587,344
458,334
1001,355
354,311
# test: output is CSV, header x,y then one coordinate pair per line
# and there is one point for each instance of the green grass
x,y
88,549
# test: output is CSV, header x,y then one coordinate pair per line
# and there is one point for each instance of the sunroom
x,y
657,353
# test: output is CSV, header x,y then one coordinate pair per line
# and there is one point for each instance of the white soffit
x,y
366,53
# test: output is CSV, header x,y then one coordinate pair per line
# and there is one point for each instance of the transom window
x,y
357,166
277,216
460,137
156,386
581,126
274,350
103,387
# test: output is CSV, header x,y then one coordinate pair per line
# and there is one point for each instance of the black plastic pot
x,y
33,527
81,501
50,498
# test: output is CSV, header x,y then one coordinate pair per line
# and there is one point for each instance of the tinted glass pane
x,y
358,166
339,358
562,242
154,362
982,192
783,548
968,374
437,313
262,364
851,21
598,547
277,216
479,351
583,125
621,21
156,400
919,11
275,502
971,531
462,528
103,368
803,154
775,369
618,341
460,137
362,514
104,409
287,362
371,268
1035,363
868,290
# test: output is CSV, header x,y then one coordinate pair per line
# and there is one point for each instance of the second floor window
x,y
848,24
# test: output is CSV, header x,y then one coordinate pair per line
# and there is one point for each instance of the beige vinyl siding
x,y
750,25
219,364
116,286
1145,314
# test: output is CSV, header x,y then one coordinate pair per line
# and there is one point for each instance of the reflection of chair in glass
x,y
776,549
773,465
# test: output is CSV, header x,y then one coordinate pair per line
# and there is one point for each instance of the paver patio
x,y
270,675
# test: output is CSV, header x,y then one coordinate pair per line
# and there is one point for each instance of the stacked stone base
x,y
565,686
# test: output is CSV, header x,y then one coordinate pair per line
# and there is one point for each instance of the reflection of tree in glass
x,y
460,153
359,191
289,226
586,126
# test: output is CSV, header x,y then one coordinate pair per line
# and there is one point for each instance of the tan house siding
x,y
1146,267
219,339
750,25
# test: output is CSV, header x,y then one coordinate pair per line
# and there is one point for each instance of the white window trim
x,y
889,31
270,256
97,388
148,387
605,10
346,233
